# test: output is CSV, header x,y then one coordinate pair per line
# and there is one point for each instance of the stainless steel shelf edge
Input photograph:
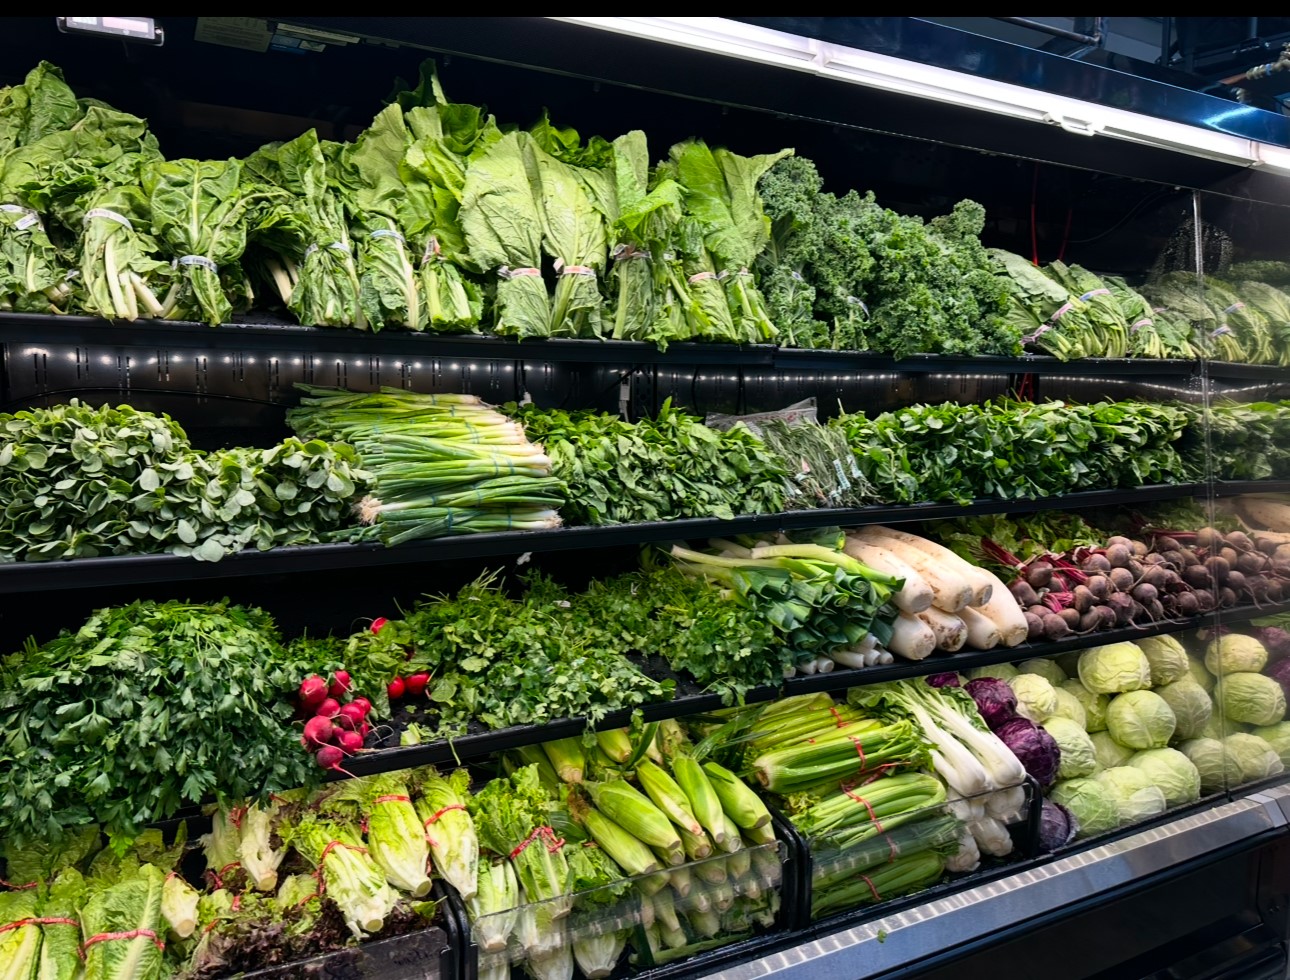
x,y
898,940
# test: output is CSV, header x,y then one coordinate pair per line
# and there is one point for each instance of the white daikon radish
x,y
1003,611
950,590
911,638
949,629
850,658
982,586
982,634
915,596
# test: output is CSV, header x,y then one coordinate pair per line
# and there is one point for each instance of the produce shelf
x,y
477,746
1234,488
83,573
268,333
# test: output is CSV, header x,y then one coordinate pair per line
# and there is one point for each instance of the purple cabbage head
x,y
1280,672
994,699
1275,640
1057,826
950,679
1034,748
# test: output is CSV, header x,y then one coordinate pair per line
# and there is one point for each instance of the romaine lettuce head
x,y
1277,736
1172,771
1167,658
1089,802
1094,704
1115,668
1108,751
1140,720
1254,758
1191,704
1069,706
1077,755
1035,698
1250,698
1047,669
1210,757
1234,653
1137,797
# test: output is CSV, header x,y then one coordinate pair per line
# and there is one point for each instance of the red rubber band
x,y
39,922
19,888
876,896
104,937
394,798
435,816
547,832
873,817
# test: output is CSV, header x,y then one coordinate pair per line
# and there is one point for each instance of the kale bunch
x,y
846,273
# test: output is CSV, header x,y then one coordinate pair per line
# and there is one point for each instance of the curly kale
x,y
846,273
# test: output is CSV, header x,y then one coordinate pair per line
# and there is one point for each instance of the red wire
x,y
1066,235
1034,232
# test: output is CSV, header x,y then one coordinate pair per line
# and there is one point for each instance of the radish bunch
x,y
414,685
333,729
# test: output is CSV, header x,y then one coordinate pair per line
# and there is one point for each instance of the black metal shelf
x,y
266,333
477,746
1234,488
88,573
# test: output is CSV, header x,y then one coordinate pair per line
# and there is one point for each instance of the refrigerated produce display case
x,y
762,497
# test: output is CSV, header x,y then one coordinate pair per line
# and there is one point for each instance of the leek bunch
x,y
443,464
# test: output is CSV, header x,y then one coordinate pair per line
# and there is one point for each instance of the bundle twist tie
x,y
574,270
857,301
555,843
104,937
109,214
29,219
1235,306
200,261
389,233
622,252
1221,331
701,276
1061,311
1095,292
338,246
1146,321
1031,338
508,273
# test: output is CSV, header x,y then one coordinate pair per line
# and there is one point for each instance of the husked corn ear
x,y
712,871
704,802
680,880
567,757
733,842
665,910
739,802
615,743
667,795
628,852
632,810
761,835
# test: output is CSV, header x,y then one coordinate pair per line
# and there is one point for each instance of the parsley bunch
x,y
143,710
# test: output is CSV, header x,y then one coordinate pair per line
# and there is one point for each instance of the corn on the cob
x,y
533,755
712,871
615,743
705,922
628,852
697,846
632,810
667,795
704,802
567,758
740,803
665,910
680,880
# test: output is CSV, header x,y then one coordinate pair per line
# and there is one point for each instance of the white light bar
x,y
719,35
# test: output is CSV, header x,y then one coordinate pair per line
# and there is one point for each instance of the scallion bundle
x,y
444,464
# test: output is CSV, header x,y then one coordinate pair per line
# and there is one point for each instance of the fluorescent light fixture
x,y
719,35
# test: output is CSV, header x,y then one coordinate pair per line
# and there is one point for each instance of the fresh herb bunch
x,y
501,661
1247,441
1012,450
143,710
659,469
79,482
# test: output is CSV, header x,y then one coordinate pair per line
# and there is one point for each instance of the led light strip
x,y
719,35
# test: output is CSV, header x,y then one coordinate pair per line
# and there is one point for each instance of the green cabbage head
x,y
1137,797
1115,668
1090,802
1078,757
1094,705
1254,758
1167,658
1191,704
1172,771
1140,720
1252,699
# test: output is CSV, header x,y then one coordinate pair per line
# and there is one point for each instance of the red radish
x,y
395,688
313,691
339,684
353,712
377,623
318,731
350,742
417,684
330,757
345,723
362,704
364,728
328,709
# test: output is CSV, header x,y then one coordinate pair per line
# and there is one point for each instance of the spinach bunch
x,y
659,469
143,710
79,482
